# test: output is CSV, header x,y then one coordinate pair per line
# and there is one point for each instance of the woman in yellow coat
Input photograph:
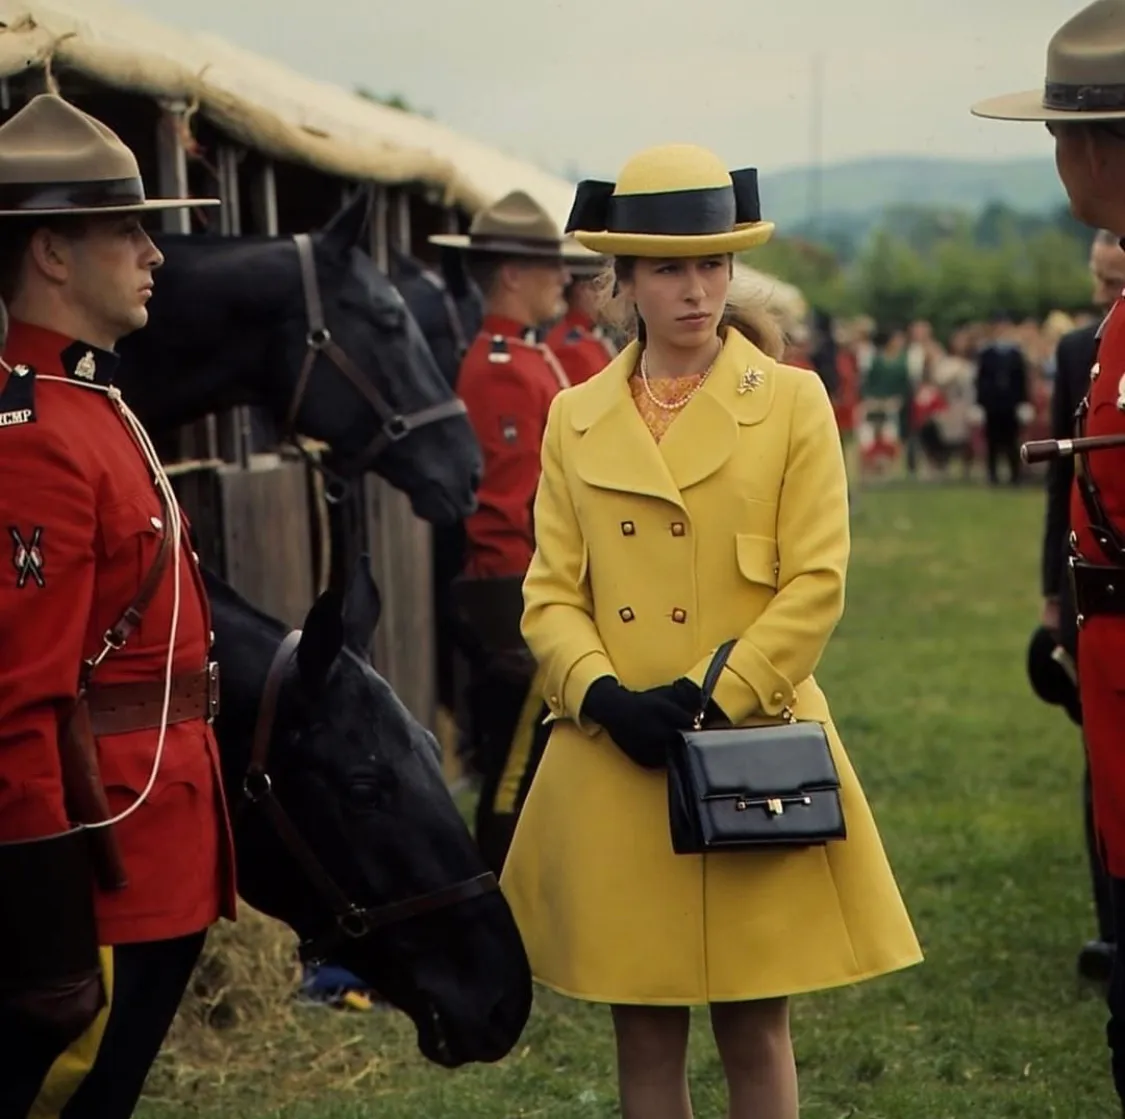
x,y
692,492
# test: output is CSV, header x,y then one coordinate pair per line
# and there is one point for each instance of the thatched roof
x,y
282,113
265,105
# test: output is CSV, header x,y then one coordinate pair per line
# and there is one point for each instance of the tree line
x,y
945,266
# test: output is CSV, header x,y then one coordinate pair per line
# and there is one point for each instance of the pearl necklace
x,y
674,405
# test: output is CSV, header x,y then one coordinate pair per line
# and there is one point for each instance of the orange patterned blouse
x,y
659,420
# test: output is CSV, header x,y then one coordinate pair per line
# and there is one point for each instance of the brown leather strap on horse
x,y
350,921
319,340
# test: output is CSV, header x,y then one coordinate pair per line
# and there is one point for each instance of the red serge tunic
x,y
1101,638
82,517
580,350
507,383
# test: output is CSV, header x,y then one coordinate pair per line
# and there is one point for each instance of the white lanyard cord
x,y
161,480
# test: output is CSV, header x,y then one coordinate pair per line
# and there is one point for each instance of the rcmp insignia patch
x,y
17,401
27,556
499,354
509,429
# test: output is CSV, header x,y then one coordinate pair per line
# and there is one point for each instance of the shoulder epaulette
x,y
527,342
17,401
499,354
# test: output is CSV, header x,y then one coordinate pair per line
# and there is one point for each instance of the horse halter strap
x,y
351,922
319,340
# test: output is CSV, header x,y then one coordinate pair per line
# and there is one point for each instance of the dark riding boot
x,y
1095,959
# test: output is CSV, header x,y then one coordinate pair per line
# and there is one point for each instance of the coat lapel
x,y
618,452
738,393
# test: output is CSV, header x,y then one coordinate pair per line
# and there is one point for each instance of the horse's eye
x,y
366,795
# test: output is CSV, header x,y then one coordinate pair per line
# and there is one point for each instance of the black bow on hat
x,y
673,213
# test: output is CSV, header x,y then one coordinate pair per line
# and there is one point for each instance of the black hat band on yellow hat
x,y
673,213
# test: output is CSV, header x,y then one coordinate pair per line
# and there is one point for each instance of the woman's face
x,y
680,300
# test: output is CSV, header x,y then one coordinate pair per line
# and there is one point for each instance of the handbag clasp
x,y
775,806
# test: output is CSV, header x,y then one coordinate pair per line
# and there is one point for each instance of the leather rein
x,y
349,921
394,426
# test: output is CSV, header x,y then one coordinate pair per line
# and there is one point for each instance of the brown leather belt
x,y
1098,589
119,708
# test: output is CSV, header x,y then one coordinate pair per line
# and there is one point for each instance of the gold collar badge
x,y
86,367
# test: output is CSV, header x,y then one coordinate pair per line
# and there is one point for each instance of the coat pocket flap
x,y
758,558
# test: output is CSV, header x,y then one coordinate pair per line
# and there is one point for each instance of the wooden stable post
x,y
399,542
232,426
263,200
198,440
268,555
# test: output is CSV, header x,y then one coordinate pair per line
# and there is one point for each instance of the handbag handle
x,y
711,679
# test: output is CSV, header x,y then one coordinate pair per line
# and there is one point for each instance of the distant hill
x,y
856,192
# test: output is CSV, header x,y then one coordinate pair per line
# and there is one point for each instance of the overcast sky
x,y
581,84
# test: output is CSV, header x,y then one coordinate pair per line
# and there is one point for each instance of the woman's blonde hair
x,y
746,310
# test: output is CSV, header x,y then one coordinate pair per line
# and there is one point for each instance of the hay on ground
x,y
240,1023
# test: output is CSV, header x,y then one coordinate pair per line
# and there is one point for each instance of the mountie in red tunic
x,y
1101,636
507,382
83,520
579,346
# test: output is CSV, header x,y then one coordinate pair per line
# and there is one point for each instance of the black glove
x,y
687,694
643,725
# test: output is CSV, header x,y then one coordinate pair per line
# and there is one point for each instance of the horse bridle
x,y
319,340
350,921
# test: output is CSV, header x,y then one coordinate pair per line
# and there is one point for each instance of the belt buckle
x,y
212,690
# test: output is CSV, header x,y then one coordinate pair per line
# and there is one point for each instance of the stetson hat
x,y
1050,671
582,263
1085,72
516,225
56,159
675,200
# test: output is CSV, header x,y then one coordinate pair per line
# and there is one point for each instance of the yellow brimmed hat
x,y
1085,73
676,200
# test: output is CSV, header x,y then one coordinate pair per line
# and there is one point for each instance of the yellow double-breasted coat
x,y
648,557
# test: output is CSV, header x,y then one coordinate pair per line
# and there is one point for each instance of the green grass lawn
x,y
976,788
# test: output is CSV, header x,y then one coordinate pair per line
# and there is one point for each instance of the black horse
x,y
360,782
233,321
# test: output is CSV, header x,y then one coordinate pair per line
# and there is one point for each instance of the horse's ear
x,y
362,607
348,227
322,638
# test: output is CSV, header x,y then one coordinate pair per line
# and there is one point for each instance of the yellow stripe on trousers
x,y
519,753
73,1065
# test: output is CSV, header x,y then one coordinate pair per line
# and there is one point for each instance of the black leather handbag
x,y
738,788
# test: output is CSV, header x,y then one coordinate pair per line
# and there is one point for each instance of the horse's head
x,y
375,393
361,783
